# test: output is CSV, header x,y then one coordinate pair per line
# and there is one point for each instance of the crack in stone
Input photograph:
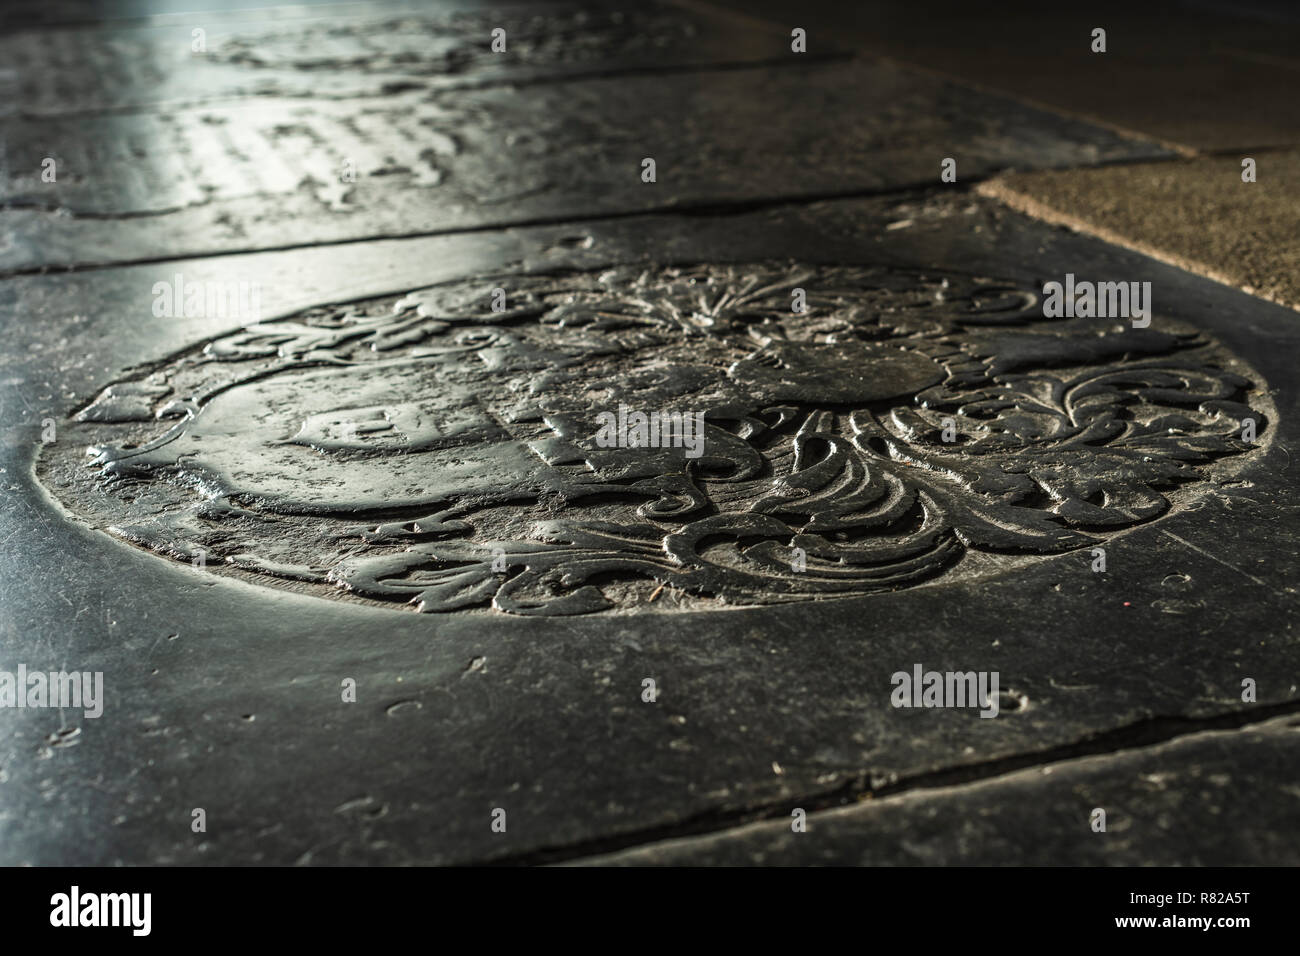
x,y
1151,732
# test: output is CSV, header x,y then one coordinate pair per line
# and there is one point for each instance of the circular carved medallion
x,y
428,449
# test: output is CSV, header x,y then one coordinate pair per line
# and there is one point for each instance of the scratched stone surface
x,y
223,692
398,157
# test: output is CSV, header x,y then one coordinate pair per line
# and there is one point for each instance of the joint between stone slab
x,y
737,207
1151,732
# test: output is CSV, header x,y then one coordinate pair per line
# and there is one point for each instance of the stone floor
x,y
363,586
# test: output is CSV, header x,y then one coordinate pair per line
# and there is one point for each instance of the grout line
x,y
734,207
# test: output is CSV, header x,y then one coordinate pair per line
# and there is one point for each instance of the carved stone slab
x,y
425,448
225,177
223,692
135,63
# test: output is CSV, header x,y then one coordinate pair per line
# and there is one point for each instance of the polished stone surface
x,y
120,60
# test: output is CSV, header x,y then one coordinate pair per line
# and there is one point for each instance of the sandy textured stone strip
x,y
1196,214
